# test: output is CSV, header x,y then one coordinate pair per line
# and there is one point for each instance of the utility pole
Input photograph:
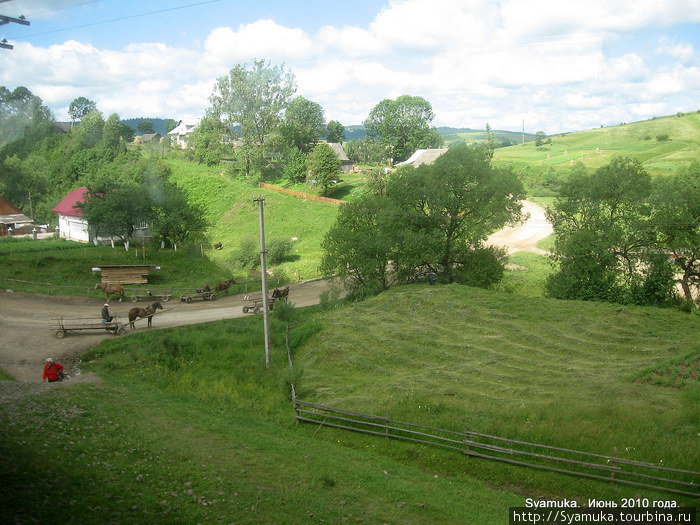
x,y
263,270
6,20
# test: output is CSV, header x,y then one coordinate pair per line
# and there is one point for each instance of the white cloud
x,y
264,38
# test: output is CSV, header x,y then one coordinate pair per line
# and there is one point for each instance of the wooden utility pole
x,y
263,271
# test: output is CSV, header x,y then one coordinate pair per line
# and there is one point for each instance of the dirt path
x,y
27,341
525,236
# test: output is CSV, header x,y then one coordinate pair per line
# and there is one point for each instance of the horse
x,y
279,295
218,246
223,287
136,313
111,289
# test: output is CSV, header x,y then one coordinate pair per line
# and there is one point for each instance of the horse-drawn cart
x,y
255,304
204,296
62,325
150,295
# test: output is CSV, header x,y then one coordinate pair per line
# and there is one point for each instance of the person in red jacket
x,y
52,371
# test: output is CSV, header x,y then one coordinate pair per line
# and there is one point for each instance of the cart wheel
x,y
256,310
134,298
165,298
213,297
188,299
245,309
120,331
60,334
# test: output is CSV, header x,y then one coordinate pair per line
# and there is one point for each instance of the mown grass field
x,y
189,426
596,147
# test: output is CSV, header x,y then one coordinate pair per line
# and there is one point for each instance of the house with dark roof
x,y
71,224
422,156
345,163
12,219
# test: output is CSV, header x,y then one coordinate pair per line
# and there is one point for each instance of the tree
x,y
145,126
112,141
303,124
444,211
324,166
170,125
434,218
403,125
602,231
80,107
295,165
540,137
206,140
676,219
335,132
366,150
253,97
175,219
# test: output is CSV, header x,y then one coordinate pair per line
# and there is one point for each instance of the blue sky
x,y
559,65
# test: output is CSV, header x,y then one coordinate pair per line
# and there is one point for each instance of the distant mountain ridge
x,y
158,124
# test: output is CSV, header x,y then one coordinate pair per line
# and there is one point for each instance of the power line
x,y
122,18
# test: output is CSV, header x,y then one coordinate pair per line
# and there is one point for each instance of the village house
x,y
345,163
71,224
178,135
422,156
12,220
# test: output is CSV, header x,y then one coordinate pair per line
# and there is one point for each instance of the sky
x,y
550,65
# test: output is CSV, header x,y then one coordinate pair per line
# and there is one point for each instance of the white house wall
x,y
73,228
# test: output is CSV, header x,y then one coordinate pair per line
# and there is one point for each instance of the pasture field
x,y
234,215
188,425
68,263
596,147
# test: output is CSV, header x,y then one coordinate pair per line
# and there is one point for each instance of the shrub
x,y
662,137
279,250
247,255
482,267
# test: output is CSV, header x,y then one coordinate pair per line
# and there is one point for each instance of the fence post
x,y
466,441
612,463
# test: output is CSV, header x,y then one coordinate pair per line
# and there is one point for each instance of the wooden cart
x,y
62,325
150,295
204,296
255,304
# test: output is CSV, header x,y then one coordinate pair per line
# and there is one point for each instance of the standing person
x,y
432,277
52,371
106,318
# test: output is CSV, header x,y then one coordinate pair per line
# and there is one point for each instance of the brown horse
x,y
136,313
111,289
223,287
280,295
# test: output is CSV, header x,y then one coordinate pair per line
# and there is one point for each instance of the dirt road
x,y
525,236
27,341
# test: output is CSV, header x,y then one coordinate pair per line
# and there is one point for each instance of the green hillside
x,y
597,146
588,376
234,215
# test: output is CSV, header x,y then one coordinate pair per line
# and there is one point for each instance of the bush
x,y
247,255
279,250
657,286
662,137
482,267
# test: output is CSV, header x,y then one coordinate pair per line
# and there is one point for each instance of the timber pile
x,y
125,274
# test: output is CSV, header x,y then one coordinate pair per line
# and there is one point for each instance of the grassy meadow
x,y
188,425
596,147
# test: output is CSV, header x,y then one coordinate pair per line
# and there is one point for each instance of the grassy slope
x,y
234,215
541,370
626,140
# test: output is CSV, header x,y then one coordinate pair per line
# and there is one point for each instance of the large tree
x,y
335,132
676,219
602,231
80,107
434,218
324,166
403,125
303,124
253,97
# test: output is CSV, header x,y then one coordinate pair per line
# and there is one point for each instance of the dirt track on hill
x,y
26,339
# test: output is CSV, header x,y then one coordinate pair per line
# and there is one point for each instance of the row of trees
x,y
434,218
254,107
622,236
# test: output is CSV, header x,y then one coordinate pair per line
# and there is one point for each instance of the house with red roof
x,y
71,224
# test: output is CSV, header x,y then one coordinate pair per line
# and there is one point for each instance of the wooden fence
x,y
300,194
611,469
